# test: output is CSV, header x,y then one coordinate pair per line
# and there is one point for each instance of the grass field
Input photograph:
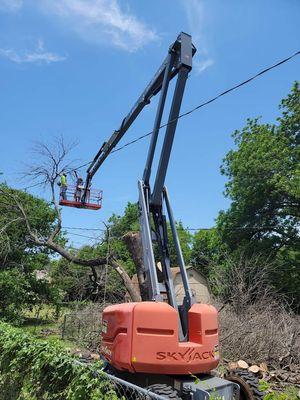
x,y
45,322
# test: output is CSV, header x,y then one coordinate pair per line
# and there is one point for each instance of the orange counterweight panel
x,y
151,345
117,335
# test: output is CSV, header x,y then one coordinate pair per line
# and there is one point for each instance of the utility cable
x,y
262,72
83,229
179,228
85,236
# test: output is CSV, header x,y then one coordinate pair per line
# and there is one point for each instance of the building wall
x,y
198,283
199,287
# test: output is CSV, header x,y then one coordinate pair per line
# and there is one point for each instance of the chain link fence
x,y
113,385
84,326
129,391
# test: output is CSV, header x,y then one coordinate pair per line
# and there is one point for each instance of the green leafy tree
x,y
20,257
185,239
118,226
264,185
207,249
264,181
15,244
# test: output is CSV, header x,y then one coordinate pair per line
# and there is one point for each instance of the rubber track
x,y
164,390
251,385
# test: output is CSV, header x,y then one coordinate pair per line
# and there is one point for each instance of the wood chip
x,y
242,364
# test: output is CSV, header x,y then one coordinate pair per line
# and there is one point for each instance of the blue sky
x,y
76,67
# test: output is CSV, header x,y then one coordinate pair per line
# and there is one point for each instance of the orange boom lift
x,y
158,343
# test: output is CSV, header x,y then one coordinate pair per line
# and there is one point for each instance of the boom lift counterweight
x,y
158,341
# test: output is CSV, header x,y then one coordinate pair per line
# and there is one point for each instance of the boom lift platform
x,y
157,344
93,199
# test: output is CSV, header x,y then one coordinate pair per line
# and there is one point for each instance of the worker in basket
x,y
79,187
88,192
63,185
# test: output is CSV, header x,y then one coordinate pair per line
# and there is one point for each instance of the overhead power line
x,y
84,229
85,236
179,228
205,103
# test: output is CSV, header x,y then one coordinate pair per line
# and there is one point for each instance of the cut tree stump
x,y
242,364
254,368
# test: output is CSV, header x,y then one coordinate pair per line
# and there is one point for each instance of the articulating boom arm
x,y
152,203
155,85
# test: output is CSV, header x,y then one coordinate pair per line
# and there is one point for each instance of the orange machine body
x,y
143,337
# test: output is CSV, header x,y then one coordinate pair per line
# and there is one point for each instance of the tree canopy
x,y
15,244
19,256
263,173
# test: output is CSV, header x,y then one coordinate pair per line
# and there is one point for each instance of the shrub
x,y
256,323
14,293
33,369
263,332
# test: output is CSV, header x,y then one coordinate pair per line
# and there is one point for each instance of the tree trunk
x,y
134,245
134,294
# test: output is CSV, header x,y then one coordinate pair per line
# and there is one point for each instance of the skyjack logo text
x,y
187,356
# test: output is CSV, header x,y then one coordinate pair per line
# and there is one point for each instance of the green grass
x,y
46,312
46,323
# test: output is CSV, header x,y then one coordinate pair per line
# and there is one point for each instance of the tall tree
x,y
264,185
20,257
15,248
